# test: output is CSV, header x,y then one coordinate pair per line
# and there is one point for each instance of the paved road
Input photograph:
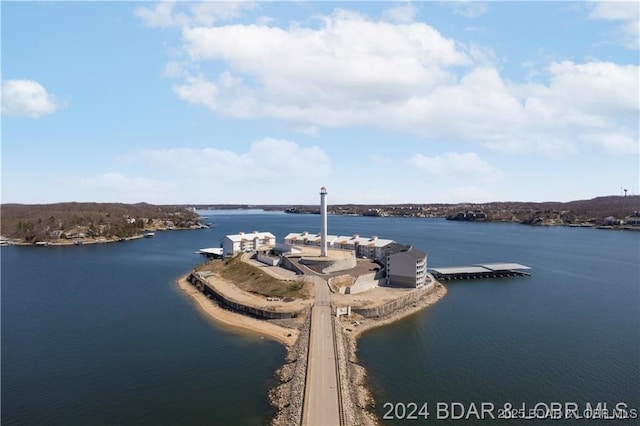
x,y
321,404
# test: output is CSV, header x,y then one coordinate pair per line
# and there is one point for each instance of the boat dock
x,y
214,252
478,271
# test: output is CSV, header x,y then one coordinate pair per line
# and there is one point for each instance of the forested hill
x,y
48,222
600,211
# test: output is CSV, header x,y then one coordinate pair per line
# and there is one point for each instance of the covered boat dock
x,y
214,252
485,270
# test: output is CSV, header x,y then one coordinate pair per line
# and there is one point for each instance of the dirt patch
x,y
253,280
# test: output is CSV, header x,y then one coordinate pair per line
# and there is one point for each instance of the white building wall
x,y
229,247
234,244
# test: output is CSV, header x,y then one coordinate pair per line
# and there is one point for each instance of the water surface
x,y
101,335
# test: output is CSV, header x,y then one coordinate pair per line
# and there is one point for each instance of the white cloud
x,y
171,14
595,102
349,63
160,15
228,94
267,160
197,90
176,69
453,165
354,71
627,13
468,9
403,13
26,98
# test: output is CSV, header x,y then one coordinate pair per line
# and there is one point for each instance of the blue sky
x,y
265,102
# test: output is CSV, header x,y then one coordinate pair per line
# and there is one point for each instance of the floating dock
x,y
485,270
214,252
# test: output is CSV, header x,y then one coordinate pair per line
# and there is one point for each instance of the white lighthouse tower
x,y
323,219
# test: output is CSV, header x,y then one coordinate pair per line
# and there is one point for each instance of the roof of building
x,y
309,237
396,248
373,241
480,268
213,250
285,248
504,266
412,253
368,241
460,270
251,235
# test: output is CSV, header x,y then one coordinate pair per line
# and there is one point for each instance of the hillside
x,y
29,223
600,211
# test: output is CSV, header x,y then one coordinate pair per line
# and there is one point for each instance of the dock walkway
x,y
485,270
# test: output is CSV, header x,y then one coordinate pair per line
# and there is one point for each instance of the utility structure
x,y
323,224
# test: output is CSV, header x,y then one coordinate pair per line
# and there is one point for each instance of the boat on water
x,y
149,234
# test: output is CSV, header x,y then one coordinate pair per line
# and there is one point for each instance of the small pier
x,y
213,252
479,271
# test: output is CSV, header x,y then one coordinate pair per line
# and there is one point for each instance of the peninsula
x,y
86,223
316,293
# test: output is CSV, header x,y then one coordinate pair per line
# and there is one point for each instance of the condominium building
x,y
370,247
307,239
238,243
407,268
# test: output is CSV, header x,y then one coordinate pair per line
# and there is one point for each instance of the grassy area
x,y
251,279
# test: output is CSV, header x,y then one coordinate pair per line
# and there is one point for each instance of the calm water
x,y
100,334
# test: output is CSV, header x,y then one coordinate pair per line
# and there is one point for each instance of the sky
x,y
265,102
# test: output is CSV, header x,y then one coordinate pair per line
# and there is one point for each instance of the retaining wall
x,y
288,264
364,285
331,265
365,278
396,304
267,260
205,288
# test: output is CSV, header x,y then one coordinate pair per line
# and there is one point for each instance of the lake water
x,y
101,335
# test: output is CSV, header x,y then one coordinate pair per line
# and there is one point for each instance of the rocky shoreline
x,y
357,399
357,402
288,396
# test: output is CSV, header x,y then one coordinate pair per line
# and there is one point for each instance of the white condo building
x,y
405,266
238,243
370,247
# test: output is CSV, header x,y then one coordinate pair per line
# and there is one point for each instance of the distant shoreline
x,y
63,224
541,224
608,212
61,242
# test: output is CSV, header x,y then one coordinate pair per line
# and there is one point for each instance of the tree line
x,y
42,222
